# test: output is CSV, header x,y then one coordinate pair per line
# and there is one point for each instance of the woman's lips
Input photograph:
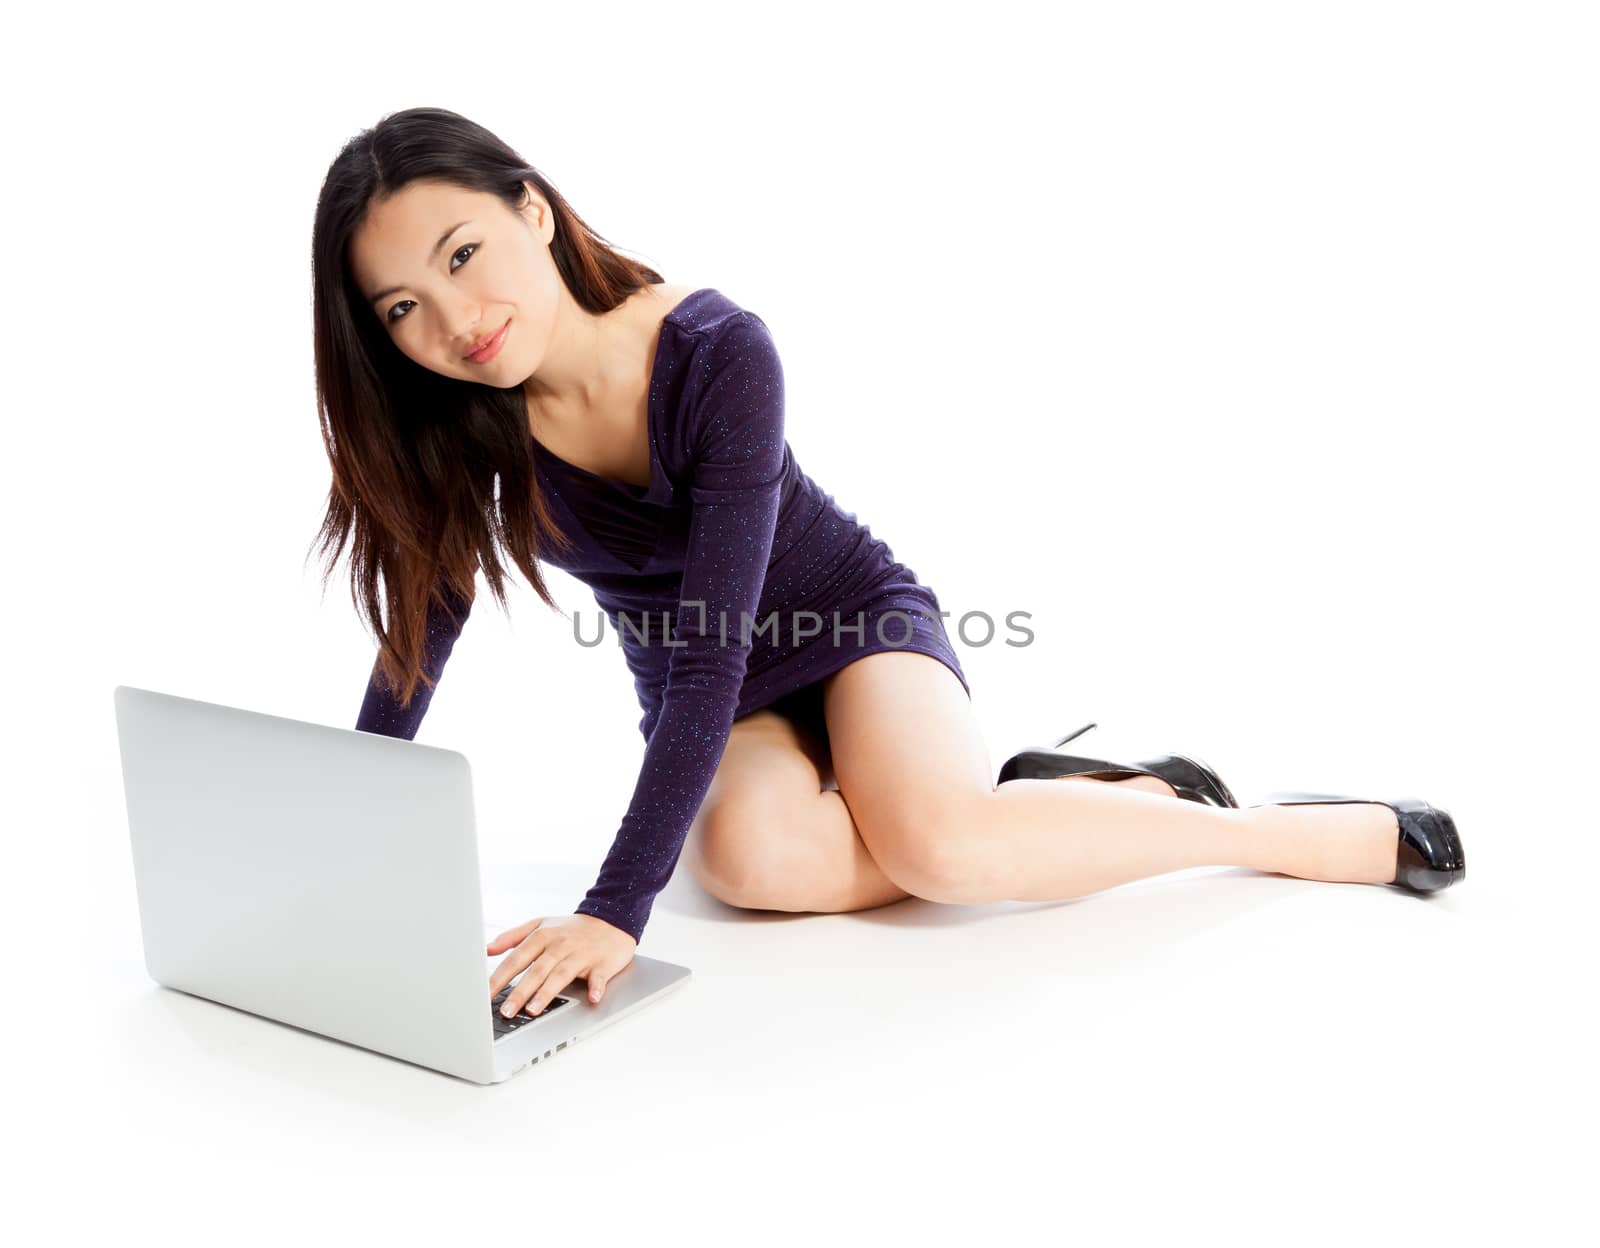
x,y
491,348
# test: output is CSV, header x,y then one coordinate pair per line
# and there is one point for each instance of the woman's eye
x,y
469,248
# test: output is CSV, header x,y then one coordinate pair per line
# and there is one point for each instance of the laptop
x,y
328,879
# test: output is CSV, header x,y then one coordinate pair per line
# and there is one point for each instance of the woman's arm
x,y
381,711
738,471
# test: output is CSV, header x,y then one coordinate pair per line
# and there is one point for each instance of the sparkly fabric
x,y
729,521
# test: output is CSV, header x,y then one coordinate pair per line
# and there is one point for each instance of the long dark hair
x,y
430,474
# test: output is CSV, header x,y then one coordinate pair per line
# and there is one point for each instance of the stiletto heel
x,y
1189,777
1429,856
1072,735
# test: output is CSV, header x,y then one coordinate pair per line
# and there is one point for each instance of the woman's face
x,y
443,268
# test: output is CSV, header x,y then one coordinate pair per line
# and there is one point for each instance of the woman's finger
x,y
532,979
539,987
523,956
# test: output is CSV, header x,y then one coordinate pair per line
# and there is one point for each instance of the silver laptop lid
x,y
320,876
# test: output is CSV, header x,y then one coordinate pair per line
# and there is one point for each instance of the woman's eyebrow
x,y
432,256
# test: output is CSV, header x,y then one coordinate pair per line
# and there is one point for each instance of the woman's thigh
x,y
803,710
911,764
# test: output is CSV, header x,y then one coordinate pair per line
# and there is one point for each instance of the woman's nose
x,y
463,322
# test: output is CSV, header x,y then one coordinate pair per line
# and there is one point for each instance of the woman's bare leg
x,y
839,874
795,847
771,834
914,770
1039,846
829,869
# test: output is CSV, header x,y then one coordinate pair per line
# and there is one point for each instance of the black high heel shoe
x,y
1430,854
1189,777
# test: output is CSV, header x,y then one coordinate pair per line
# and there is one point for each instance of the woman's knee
x,y
741,843
734,847
932,849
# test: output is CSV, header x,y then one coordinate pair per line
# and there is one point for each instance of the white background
x,y
1249,347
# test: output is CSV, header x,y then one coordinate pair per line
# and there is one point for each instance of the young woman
x,y
493,377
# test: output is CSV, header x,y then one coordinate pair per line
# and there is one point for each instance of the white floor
x,y
1215,1048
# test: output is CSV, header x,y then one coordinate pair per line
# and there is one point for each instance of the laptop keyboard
x,y
504,1026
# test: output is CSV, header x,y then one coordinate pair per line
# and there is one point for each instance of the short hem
x,y
847,657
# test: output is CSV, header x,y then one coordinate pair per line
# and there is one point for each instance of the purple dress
x,y
732,545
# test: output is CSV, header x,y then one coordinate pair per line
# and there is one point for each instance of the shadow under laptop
x,y
219,1042
201,1040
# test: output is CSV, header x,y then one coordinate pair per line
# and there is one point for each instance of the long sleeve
x,y
381,711
737,469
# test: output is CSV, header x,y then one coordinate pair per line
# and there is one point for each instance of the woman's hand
x,y
555,952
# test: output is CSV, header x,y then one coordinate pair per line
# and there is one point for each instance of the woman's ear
x,y
535,212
